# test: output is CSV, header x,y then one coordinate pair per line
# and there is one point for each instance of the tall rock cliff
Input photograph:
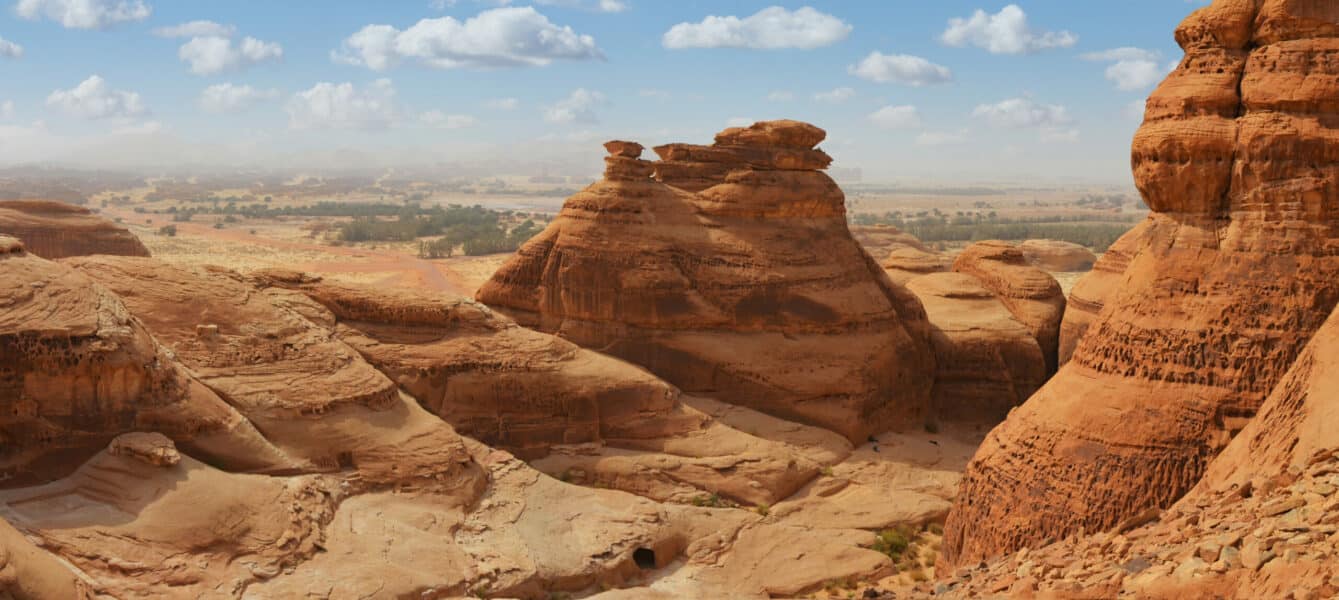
x,y
729,270
1226,282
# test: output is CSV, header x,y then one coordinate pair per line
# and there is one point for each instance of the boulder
x,y
731,273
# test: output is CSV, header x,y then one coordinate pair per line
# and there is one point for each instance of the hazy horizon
x,y
949,91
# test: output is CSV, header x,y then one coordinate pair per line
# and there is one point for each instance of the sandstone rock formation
x,y
1033,296
1262,523
57,230
1090,294
989,361
611,423
76,369
1058,256
730,273
879,240
905,262
1227,281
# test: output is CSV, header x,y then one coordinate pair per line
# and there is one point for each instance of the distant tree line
x,y
935,226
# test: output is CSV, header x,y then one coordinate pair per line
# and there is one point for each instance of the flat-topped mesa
x,y
58,230
1205,305
731,273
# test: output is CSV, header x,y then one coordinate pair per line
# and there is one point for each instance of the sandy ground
x,y
249,246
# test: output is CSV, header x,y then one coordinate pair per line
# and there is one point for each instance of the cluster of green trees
x,y
935,226
473,230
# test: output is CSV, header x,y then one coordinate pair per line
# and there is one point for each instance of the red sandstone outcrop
x,y
76,369
1090,293
56,230
532,393
1262,523
1033,296
906,262
728,270
1058,256
879,240
1227,281
989,362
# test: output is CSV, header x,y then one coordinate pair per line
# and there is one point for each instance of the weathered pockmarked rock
x,y
1225,284
730,272
57,230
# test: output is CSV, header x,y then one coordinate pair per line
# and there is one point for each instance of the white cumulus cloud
x,y
230,98
344,106
780,96
7,109
896,117
93,99
1023,113
502,103
194,29
1005,32
1133,68
900,68
441,120
770,28
84,14
9,49
579,107
210,55
501,37
836,96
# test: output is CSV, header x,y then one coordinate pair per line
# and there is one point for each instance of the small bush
x,y
762,509
892,542
935,528
826,471
168,230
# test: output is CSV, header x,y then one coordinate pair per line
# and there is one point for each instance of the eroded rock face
x,y
730,273
989,362
77,369
906,262
275,359
1090,293
58,230
1033,296
1226,282
1058,256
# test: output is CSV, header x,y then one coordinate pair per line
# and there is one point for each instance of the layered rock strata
x,y
729,271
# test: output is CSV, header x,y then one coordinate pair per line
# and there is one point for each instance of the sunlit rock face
x,y
728,270
1179,337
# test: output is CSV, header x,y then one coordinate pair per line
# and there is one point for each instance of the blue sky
x,y
959,90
